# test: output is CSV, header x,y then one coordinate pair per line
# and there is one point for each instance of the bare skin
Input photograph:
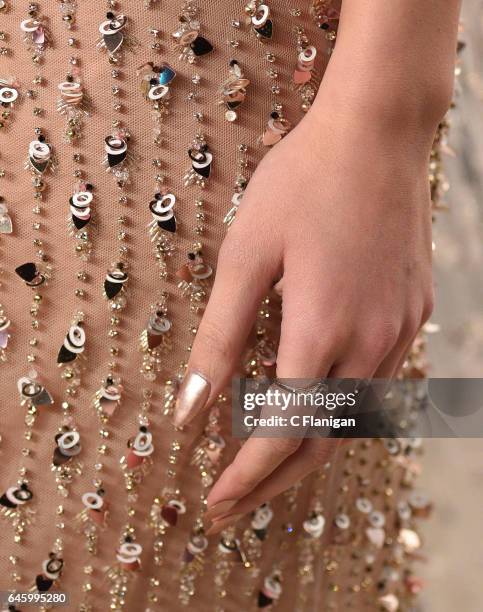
x,y
347,229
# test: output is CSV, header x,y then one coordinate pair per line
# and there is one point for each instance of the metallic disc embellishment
x,y
82,199
93,501
143,444
8,95
30,25
158,91
342,521
315,525
129,552
377,519
197,544
164,203
364,505
111,393
68,440
308,55
52,567
261,16
262,517
22,494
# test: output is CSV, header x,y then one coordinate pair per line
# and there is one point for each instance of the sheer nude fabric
x,y
340,564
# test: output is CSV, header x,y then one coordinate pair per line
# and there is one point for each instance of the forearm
x,y
394,60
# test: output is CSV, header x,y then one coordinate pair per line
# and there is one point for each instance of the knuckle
x,y
428,306
322,452
234,252
384,339
285,446
245,481
413,322
318,344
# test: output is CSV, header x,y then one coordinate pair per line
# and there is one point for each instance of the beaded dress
x,y
126,142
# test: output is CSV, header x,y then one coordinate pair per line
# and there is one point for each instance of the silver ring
x,y
310,389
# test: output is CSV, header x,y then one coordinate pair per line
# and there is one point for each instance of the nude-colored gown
x,y
342,567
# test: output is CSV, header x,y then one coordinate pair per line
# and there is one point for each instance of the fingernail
x,y
192,396
223,523
220,509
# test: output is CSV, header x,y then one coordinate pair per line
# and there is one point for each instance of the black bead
x,y
169,225
200,46
263,600
40,166
115,160
6,503
204,172
27,271
59,458
110,15
43,584
233,105
65,356
79,223
266,30
112,289
260,533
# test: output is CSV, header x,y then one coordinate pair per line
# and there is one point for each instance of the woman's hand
x,y
340,212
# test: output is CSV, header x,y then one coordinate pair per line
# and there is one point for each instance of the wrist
x,y
394,106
